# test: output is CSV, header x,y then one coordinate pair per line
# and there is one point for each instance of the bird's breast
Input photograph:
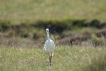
x,y
49,47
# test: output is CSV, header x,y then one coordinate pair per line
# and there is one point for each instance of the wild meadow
x,y
66,58
76,26
29,11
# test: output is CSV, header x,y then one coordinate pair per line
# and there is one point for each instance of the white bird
x,y
49,46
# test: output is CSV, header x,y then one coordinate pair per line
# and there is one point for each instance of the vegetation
x,y
28,16
65,59
68,20
32,10
98,63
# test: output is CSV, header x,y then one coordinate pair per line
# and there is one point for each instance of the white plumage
x,y
49,46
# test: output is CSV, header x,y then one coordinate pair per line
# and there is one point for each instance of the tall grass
x,y
65,58
98,63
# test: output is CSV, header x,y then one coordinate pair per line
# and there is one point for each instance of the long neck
x,y
48,37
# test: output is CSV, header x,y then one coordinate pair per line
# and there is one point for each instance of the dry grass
x,y
65,58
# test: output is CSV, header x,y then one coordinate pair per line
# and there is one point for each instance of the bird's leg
x,y
50,57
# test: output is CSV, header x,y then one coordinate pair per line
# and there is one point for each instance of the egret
x,y
49,46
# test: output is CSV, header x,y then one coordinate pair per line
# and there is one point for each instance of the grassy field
x,y
65,59
32,10
30,13
36,15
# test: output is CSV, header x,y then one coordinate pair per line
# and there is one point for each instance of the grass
x,y
32,10
37,14
64,59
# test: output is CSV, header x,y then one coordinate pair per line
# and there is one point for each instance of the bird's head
x,y
47,30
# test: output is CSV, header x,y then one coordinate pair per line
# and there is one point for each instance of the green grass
x,y
64,59
32,10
